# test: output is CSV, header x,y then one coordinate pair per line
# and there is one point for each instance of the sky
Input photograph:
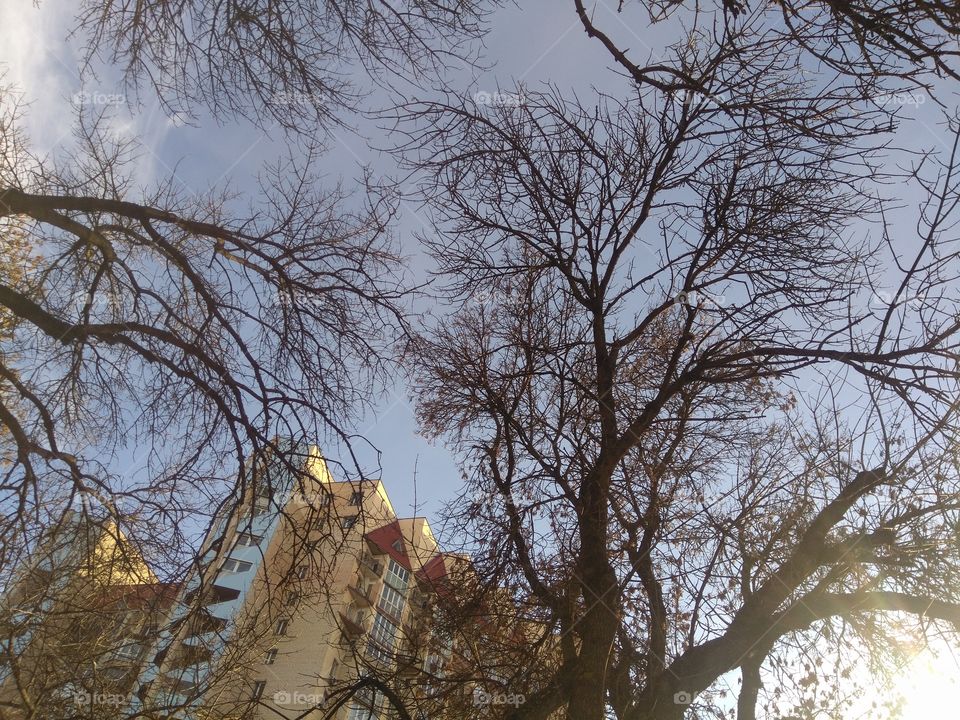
x,y
533,43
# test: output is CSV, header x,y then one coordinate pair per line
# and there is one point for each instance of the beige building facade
x,y
306,588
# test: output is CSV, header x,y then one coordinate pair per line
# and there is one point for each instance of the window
x,y
375,652
398,545
258,687
397,576
271,657
391,602
433,664
282,625
151,630
382,637
130,651
116,673
236,566
334,670
359,712
245,539
357,498
348,522
369,562
303,571
292,598
262,505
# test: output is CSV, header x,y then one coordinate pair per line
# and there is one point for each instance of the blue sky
x,y
534,45
540,42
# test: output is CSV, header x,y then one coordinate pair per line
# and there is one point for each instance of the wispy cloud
x,y
41,63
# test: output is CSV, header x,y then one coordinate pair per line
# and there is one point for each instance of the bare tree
x,y
192,337
77,621
704,445
289,61
703,436
178,335
182,336
871,41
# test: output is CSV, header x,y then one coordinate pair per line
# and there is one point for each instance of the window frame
x,y
129,651
399,578
381,643
258,687
392,602
235,566
243,536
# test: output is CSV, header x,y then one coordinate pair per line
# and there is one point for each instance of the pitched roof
x,y
433,570
385,537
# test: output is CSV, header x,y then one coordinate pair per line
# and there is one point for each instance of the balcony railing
x,y
369,565
359,597
351,628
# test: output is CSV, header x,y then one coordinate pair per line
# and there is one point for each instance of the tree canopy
x,y
702,385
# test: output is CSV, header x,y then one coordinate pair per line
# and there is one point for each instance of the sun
x,y
930,685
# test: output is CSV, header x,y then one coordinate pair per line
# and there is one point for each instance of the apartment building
x,y
76,622
310,596
308,586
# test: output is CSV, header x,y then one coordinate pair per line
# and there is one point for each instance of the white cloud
x,y
41,62
38,62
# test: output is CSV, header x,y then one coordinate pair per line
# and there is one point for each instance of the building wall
x,y
76,623
297,602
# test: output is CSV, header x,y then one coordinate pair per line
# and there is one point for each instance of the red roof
x,y
385,537
433,570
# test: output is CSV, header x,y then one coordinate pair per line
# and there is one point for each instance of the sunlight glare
x,y
930,686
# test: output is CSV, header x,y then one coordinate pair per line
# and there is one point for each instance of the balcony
x,y
200,622
208,640
408,661
359,598
371,567
351,629
213,594
188,655
420,600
